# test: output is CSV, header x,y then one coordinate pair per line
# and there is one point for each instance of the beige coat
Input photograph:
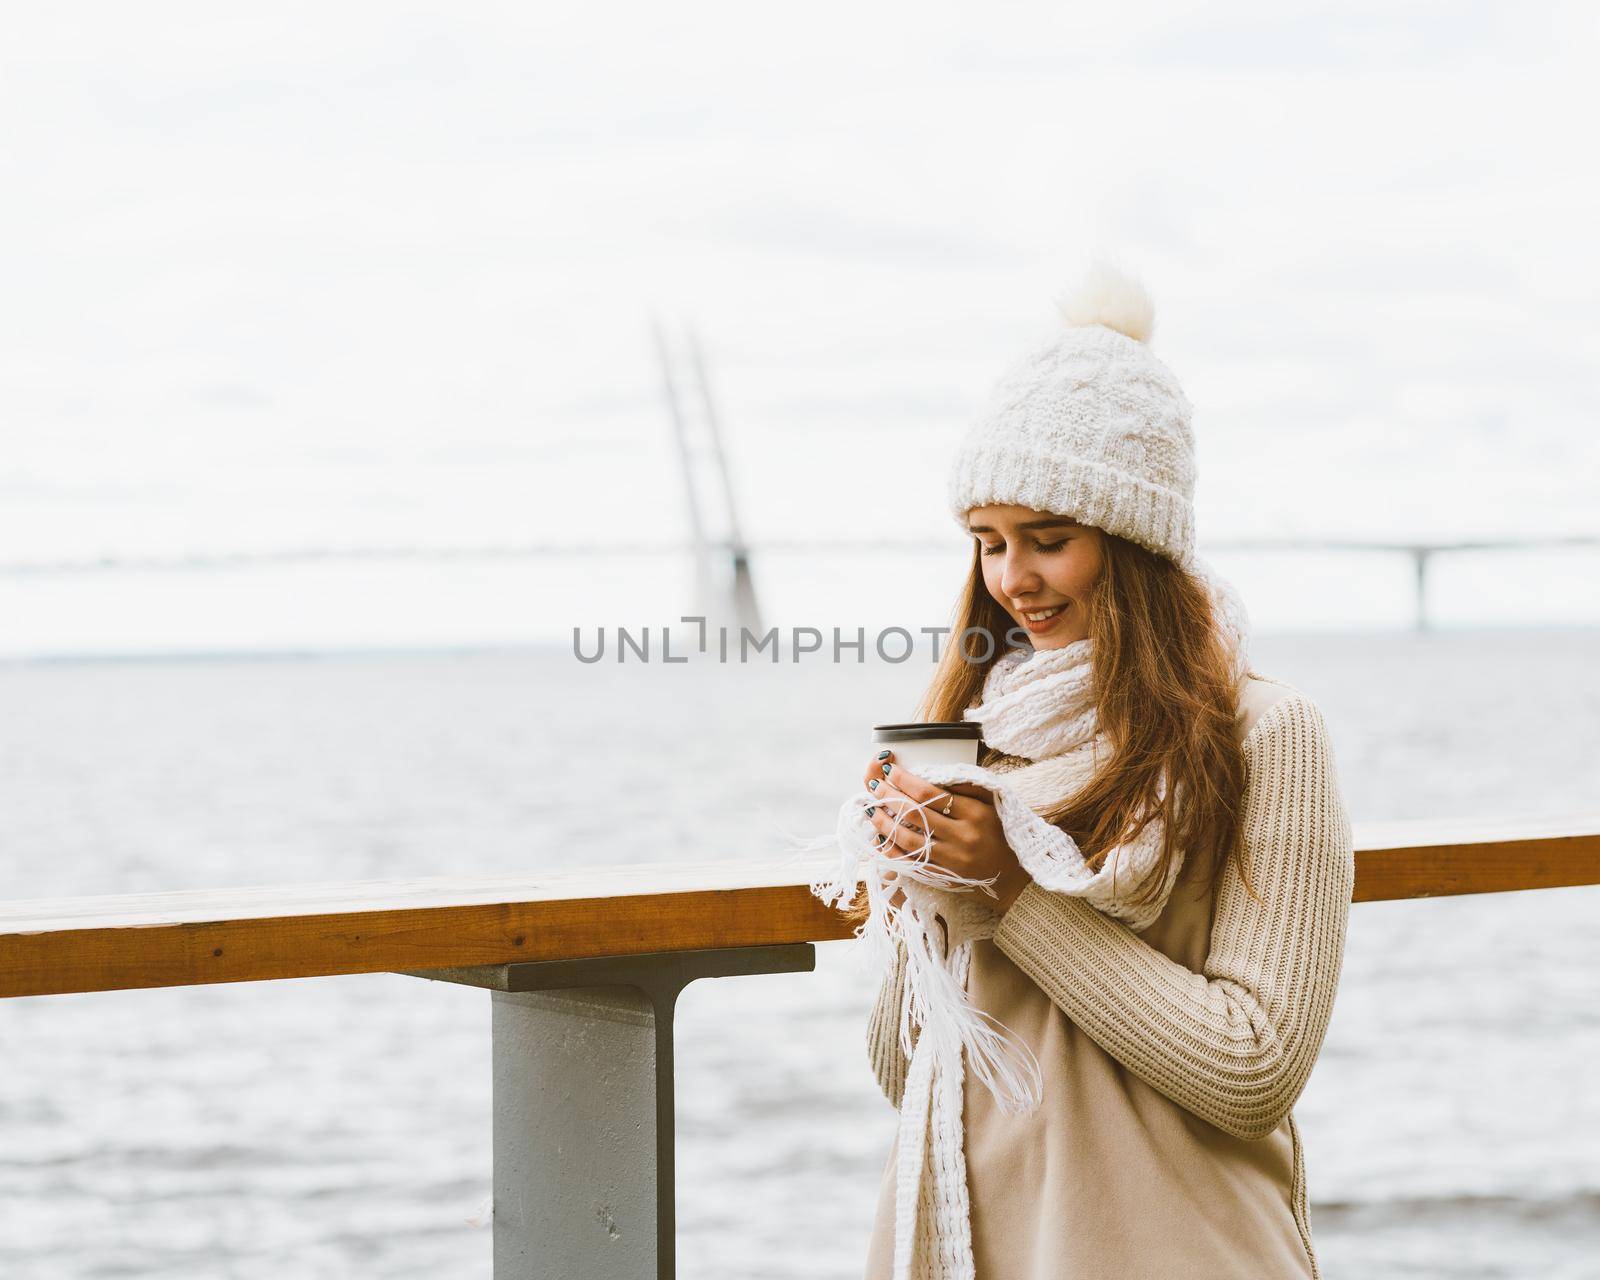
x,y
1165,1147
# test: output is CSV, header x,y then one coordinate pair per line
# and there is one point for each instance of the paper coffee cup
x,y
929,742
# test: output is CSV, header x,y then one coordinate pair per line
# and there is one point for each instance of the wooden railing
x,y
585,970
50,947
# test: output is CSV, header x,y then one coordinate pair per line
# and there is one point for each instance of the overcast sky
x,y
340,274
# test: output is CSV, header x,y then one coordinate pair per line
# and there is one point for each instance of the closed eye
x,y
1038,546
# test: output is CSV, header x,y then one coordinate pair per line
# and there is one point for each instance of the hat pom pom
x,y
1106,296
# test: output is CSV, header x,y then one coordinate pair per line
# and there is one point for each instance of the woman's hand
x,y
970,841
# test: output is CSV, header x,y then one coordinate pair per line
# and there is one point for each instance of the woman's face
x,y
1034,563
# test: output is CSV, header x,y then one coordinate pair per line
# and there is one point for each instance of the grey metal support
x,y
584,1152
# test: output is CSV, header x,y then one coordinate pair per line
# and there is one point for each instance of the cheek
x,y
991,576
1077,570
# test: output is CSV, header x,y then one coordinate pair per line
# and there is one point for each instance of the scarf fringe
x,y
936,1002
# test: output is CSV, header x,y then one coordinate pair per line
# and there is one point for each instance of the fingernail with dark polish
x,y
883,755
872,784
886,767
871,809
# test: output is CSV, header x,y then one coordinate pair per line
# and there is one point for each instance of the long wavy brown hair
x,y
1165,699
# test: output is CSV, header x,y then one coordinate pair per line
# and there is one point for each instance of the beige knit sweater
x,y
1172,1058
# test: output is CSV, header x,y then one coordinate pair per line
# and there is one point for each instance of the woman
x,y
1175,1031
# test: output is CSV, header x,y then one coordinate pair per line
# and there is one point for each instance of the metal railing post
x,y
583,1106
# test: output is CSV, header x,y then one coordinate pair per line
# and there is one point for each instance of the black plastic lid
x,y
958,729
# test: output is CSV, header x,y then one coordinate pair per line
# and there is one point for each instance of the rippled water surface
x,y
340,1127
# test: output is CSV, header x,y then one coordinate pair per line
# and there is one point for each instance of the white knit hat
x,y
1090,425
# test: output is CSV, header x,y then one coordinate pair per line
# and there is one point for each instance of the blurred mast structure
x,y
744,588
725,592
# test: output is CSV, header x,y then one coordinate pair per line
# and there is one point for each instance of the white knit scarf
x,y
1036,704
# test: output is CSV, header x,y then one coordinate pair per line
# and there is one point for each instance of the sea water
x,y
339,1127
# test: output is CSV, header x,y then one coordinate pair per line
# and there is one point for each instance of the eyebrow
x,y
1055,522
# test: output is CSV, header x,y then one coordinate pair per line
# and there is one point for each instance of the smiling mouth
x,y
1041,615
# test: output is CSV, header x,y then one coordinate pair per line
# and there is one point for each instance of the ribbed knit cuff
x,y
888,1059
1119,502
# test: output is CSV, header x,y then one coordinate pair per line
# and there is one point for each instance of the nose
x,y
1019,577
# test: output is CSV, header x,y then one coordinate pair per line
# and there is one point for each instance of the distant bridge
x,y
738,554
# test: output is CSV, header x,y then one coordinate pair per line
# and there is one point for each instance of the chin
x,y
1053,642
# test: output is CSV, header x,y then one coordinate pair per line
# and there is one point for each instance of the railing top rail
x,y
53,947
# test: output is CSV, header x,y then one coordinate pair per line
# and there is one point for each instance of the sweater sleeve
x,y
888,1059
1235,1043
